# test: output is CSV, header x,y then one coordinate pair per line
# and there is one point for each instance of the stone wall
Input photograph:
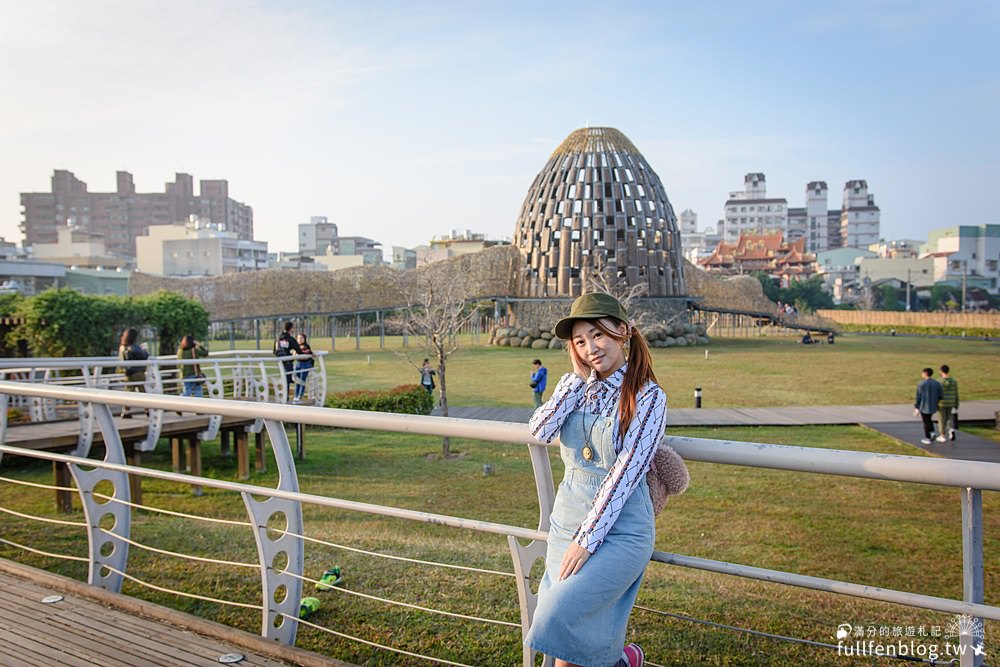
x,y
672,334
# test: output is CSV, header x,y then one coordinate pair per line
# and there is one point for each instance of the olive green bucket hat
x,y
590,307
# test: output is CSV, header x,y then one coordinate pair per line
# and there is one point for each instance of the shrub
x,y
971,332
409,399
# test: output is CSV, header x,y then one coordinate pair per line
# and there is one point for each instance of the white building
x,y
966,252
855,225
699,245
197,248
316,237
897,248
839,269
752,212
859,216
689,222
77,247
320,238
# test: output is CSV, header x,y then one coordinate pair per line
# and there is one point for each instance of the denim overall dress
x,y
582,619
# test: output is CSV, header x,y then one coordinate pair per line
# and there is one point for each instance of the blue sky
x,y
401,121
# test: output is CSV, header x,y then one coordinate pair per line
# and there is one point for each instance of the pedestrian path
x,y
895,421
965,446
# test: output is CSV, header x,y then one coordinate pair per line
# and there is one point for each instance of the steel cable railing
x,y
970,477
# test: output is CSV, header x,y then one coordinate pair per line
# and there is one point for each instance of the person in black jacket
x,y
135,376
926,402
302,367
286,346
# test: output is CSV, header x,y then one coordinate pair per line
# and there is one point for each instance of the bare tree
x,y
437,307
603,278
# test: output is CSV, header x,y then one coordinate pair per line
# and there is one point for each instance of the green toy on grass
x,y
330,578
308,607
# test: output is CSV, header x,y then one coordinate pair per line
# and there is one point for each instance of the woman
x,y
135,376
302,368
610,415
191,373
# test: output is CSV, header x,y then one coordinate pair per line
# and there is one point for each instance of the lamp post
x,y
965,278
908,290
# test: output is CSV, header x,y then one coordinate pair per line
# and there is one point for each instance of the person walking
x,y
609,414
302,367
926,403
538,379
191,374
948,405
135,376
427,376
286,347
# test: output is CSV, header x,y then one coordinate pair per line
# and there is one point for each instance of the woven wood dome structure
x,y
598,206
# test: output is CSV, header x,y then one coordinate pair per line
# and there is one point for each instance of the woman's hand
x,y
573,560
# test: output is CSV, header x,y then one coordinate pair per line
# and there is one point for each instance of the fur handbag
x,y
667,476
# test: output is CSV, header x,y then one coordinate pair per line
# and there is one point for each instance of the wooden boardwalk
x,y
91,627
62,436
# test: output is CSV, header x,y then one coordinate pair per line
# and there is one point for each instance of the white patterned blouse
x,y
602,397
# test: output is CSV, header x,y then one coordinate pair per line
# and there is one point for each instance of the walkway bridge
x,y
736,321
280,525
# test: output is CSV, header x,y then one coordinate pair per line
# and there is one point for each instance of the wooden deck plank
x,y
96,627
132,643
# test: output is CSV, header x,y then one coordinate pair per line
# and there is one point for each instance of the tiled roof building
x,y
762,252
597,205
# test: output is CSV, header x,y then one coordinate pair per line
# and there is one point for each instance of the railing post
x,y
971,637
357,332
106,551
524,556
282,557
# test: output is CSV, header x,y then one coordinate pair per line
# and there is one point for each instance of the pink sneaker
x,y
634,654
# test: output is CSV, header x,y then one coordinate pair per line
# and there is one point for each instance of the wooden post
x,y
194,461
242,455
259,446
61,477
134,458
224,437
176,454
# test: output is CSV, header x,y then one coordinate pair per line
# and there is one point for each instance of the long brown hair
x,y
129,337
640,367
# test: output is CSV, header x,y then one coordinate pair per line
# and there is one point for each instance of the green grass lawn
x,y
901,536
739,372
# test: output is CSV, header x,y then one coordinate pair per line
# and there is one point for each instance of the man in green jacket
x,y
948,405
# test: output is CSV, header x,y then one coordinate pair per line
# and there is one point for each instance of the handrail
x,y
970,477
889,467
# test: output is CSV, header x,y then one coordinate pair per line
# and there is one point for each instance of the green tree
x,y
65,323
173,316
941,297
889,298
771,290
807,295
9,303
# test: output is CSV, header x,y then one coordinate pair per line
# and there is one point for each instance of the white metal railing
x,y
248,376
280,620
